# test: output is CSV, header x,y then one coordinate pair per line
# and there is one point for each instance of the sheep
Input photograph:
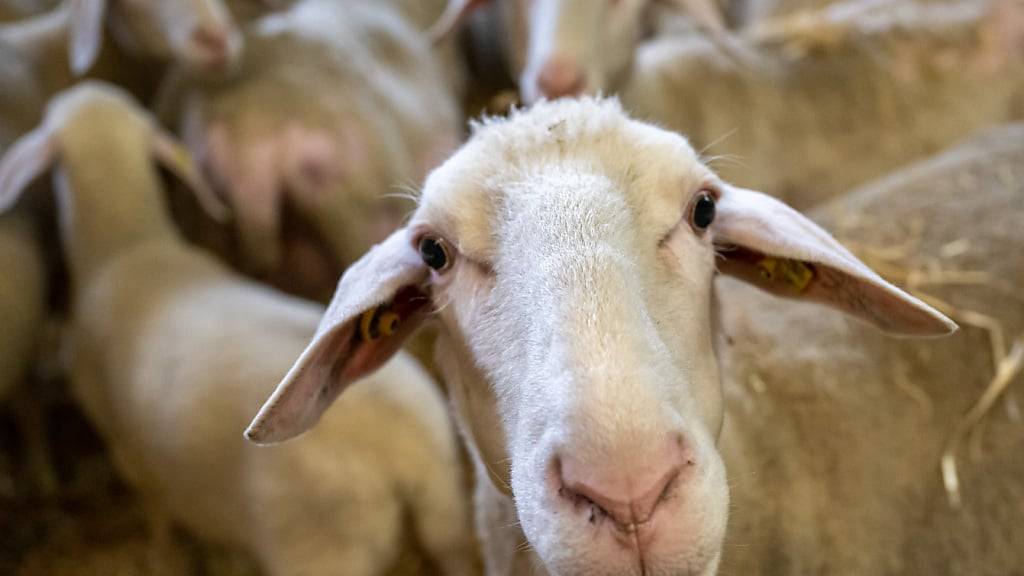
x,y
65,42
568,255
335,107
556,48
173,352
43,55
883,83
833,435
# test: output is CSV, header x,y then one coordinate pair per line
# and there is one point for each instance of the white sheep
x,y
173,353
66,42
336,108
556,48
569,255
885,83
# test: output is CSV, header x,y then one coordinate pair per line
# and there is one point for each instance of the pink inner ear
x,y
411,305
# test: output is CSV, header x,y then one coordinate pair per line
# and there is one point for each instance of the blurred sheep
x,y
173,353
843,95
336,109
834,435
556,48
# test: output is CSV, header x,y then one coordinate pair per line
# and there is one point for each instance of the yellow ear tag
x,y
366,325
181,156
388,323
795,274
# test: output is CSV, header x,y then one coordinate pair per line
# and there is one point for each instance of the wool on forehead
x,y
581,119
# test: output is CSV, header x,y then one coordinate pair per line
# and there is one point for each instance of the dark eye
x,y
434,252
703,211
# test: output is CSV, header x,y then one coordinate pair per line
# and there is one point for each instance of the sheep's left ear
x,y
86,35
767,243
380,301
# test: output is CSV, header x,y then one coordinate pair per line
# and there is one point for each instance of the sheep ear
x,y
380,301
174,156
86,37
767,243
455,13
26,160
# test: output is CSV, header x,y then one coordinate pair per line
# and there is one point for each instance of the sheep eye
x,y
434,253
703,211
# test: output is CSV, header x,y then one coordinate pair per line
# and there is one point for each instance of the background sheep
x,y
834,434
336,107
556,48
575,296
885,84
920,75
172,408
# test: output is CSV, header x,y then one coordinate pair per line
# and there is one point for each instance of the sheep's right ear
x,y
26,159
174,156
455,13
380,301
86,36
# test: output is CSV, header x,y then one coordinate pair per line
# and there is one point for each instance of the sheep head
x,y
570,255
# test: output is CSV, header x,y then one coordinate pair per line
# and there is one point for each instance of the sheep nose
x,y
628,495
561,77
213,43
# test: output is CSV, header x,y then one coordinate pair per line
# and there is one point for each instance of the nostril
x,y
560,77
628,490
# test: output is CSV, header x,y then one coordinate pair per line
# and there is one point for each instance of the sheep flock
x,y
511,287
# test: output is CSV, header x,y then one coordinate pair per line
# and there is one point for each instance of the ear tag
x,y
388,323
377,322
795,274
183,158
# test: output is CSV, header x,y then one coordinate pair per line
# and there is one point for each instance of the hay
x,y
1006,364
1008,369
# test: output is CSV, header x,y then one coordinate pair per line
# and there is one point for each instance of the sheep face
x,y
571,47
197,33
570,254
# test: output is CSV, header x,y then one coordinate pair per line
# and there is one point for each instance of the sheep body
x,y
172,367
885,83
834,450
173,353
